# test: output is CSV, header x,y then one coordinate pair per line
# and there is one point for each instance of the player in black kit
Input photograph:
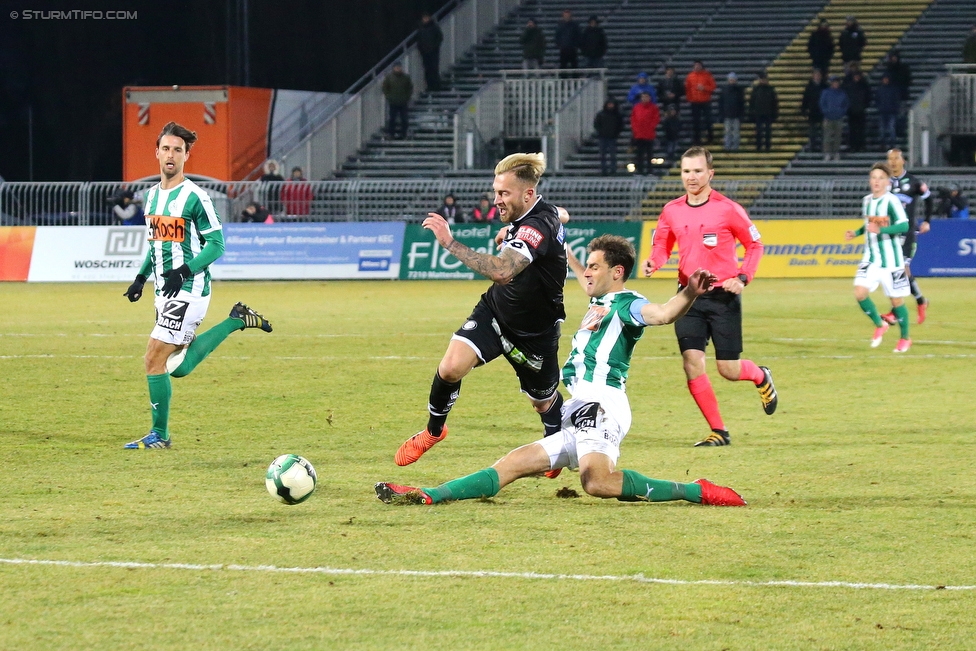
x,y
519,315
911,192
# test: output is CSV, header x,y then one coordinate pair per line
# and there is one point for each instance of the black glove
x,y
134,293
174,280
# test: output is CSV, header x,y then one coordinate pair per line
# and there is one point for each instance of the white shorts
x,y
894,281
178,318
593,421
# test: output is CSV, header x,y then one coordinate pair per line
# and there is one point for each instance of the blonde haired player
x,y
597,416
884,228
518,316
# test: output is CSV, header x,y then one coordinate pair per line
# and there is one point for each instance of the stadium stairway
x,y
788,73
932,41
719,43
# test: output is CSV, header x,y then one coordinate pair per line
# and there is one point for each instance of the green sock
x,y
868,306
483,483
658,490
205,344
901,313
160,391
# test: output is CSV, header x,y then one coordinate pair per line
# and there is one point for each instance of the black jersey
x,y
532,303
908,189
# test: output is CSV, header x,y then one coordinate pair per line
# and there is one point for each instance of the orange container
x,y
231,124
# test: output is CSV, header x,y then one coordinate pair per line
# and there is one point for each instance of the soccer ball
x,y
290,479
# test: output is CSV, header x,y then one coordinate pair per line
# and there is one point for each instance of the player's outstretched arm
x,y
698,283
500,269
576,266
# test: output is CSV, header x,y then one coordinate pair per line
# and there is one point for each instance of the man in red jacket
x,y
706,227
644,118
699,86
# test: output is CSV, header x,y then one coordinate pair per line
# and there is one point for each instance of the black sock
x,y
552,418
442,397
916,292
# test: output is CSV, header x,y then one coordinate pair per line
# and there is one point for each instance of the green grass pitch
x,y
864,477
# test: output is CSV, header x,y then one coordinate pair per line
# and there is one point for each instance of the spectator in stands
x,y
887,100
821,47
429,39
533,46
272,193
952,203
255,213
296,194
398,89
672,131
833,105
567,40
670,89
641,86
451,211
969,47
699,86
644,118
764,110
900,74
593,44
272,171
731,110
810,108
608,125
859,97
484,212
852,41
127,208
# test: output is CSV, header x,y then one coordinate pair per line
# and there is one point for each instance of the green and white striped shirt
x,y
177,219
885,248
604,344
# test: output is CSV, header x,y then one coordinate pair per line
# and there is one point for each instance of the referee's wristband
x,y
744,279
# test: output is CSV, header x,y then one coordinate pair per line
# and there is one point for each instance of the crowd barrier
x,y
406,251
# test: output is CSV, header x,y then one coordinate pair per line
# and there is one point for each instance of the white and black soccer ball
x,y
290,479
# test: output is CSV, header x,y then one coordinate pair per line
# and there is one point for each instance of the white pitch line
x,y
486,574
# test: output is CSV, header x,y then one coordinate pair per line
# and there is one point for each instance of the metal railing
x,y
344,133
573,123
533,97
586,197
946,109
478,123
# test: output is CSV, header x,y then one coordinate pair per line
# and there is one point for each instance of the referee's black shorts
x,y
716,315
535,359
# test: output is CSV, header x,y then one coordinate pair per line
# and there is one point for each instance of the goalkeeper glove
x,y
134,293
174,280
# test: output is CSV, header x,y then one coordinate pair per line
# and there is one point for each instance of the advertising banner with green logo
x,y
424,259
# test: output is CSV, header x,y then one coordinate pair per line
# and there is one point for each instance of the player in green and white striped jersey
x,y
884,228
185,237
597,416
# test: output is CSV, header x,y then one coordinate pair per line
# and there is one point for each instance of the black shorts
x,y
716,315
535,359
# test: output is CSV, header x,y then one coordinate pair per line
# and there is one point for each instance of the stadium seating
x,y
648,35
933,40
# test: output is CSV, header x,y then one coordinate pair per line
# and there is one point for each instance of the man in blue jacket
x,y
643,85
833,105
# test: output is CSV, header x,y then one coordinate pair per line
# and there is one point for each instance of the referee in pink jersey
x,y
706,227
